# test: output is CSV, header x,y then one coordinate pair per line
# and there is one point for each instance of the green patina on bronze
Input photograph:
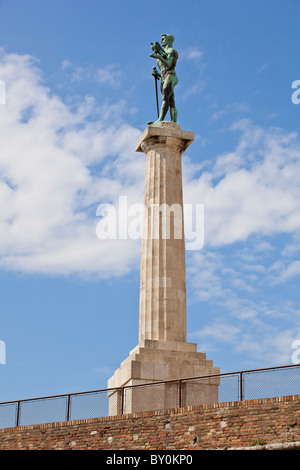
x,y
166,61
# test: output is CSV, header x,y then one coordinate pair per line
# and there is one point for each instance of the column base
x,y
154,361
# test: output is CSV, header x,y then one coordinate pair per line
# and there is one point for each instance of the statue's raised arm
x,y
166,60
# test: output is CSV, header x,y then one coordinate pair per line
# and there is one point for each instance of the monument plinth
x,y
162,352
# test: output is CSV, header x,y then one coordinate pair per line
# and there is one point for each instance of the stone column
x,y
162,352
162,275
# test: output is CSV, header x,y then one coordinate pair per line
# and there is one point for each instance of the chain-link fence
x,y
233,386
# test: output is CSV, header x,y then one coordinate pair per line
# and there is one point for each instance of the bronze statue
x,y
166,60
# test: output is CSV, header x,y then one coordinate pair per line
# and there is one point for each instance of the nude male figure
x,y
166,61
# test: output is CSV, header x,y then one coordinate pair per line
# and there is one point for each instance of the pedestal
x,y
162,352
155,361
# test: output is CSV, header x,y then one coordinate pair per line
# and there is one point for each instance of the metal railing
x,y
226,387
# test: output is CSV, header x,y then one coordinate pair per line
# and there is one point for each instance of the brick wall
x,y
221,425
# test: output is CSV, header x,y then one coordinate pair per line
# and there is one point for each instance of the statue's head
x,y
167,39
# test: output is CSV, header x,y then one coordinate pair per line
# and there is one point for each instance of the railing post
x,y
68,407
241,386
179,394
18,414
122,401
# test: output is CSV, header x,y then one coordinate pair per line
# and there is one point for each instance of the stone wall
x,y
213,426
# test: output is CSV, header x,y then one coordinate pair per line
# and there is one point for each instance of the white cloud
x,y
194,89
239,311
252,190
272,347
234,108
66,63
109,74
219,332
192,53
262,68
284,273
258,330
48,182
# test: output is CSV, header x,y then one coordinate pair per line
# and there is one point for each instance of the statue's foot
x,y
155,123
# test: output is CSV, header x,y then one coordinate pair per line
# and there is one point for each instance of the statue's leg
x,y
166,91
163,110
173,109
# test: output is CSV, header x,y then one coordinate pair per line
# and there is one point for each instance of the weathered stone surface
x,y
162,352
162,278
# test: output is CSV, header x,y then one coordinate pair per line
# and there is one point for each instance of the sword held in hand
x,y
156,76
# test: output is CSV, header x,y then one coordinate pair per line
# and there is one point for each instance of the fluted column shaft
x,y
162,314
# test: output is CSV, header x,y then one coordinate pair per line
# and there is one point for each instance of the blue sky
x,y
79,92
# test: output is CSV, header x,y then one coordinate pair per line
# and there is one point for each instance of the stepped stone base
x,y
154,361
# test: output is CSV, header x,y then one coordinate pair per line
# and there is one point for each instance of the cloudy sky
x,y
76,93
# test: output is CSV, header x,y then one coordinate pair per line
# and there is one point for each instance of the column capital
x,y
166,133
